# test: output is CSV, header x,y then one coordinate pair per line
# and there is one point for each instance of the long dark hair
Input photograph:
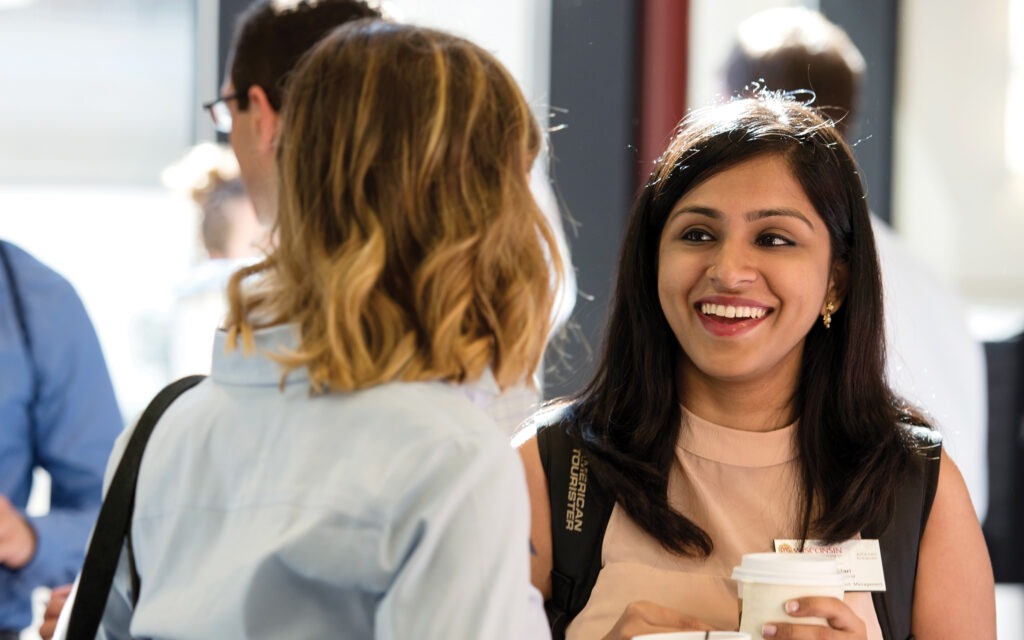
x,y
628,417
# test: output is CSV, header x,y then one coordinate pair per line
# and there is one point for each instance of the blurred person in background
x,y
931,358
232,237
57,412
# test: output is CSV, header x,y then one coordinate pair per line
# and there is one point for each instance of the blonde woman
x,y
335,475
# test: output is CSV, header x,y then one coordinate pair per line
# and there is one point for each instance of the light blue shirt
x,y
58,412
399,511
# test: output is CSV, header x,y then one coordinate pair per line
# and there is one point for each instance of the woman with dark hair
x,y
741,399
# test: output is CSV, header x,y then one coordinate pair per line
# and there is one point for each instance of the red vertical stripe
x,y
664,42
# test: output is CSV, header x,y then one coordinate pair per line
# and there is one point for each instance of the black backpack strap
x,y
12,285
19,311
899,541
580,510
114,521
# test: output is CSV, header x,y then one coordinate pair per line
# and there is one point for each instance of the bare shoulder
x,y
540,516
954,594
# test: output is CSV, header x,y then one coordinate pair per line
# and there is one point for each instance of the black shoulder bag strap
x,y
580,510
899,541
19,312
113,524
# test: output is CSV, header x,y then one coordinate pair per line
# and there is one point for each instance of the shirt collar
x,y
258,367
232,364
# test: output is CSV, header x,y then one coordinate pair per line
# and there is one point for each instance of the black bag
x,y
578,524
113,525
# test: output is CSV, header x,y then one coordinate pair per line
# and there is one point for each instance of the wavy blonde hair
x,y
410,246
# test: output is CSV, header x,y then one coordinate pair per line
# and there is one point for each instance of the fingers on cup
x,y
816,606
837,614
786,631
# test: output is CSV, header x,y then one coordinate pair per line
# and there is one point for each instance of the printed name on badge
x,y
860,561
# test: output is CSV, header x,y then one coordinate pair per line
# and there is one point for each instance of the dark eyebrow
x,y
761,214
753,216
697,209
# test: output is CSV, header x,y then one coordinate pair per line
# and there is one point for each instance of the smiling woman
x,y
741,402
740,286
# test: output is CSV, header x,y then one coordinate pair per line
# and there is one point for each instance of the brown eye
x,y
697,235
773,240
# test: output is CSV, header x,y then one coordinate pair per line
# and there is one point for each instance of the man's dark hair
x,y
272,35
792,49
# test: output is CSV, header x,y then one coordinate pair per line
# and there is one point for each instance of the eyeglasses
x,y
220,113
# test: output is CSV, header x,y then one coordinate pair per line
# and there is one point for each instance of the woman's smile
x,y
724,317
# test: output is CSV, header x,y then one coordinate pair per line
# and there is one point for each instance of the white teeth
x,y
729,311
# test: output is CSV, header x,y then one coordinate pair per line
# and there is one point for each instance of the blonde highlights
x,y
410,247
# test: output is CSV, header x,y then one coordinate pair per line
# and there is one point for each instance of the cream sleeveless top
x,y
740,487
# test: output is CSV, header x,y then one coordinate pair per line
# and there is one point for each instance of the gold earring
x,y
826,317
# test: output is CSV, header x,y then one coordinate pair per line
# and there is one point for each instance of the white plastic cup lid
x,y
789,569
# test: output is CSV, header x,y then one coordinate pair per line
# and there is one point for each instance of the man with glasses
x,y
269,39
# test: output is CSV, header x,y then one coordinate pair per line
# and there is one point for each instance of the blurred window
x,y
1015,91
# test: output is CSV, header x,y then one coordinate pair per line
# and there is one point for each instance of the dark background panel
x,y
872,24
1004,524
594,61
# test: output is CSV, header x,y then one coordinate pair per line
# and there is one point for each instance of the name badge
x,y
860,561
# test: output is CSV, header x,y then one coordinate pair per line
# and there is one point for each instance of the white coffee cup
x,y
765,582
694,635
